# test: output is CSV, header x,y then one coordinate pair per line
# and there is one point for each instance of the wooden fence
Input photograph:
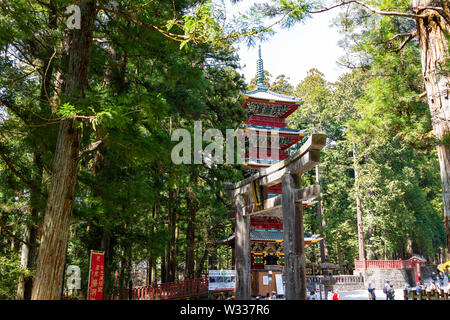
x,y
426,295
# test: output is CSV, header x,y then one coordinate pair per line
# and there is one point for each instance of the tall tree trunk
x,y
28,254
52,251
358,208
340,257
172,243
201,263
107,247
409,247
190,253
151,266
24,255
163,268
322,227
434,46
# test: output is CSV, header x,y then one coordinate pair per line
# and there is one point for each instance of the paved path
x,y
364,295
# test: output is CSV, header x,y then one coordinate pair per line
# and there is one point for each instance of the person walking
x,y
391,292
386,289
370,291
373,296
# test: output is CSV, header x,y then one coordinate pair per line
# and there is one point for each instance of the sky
x,y
293,52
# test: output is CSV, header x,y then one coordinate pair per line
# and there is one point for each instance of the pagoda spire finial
x,y
260,72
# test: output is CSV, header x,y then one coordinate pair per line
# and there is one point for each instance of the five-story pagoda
x,y
268,111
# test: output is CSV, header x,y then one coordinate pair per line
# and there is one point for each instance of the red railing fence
x,y
167,291
383,264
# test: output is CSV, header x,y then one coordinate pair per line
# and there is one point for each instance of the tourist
x,y
336,296
391,292
432,286
373,296
386,289
370,291
312,295
419,287
434,276
317,295
441,279
274,295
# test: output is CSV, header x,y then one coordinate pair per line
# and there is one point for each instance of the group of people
x,y
437,283
441,276
268,296
332,295
388,290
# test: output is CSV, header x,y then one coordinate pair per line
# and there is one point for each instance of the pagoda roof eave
x,y
262,94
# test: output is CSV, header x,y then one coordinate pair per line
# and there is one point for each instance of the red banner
x,y
97,276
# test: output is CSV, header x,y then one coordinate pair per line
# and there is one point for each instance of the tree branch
x,y
12,235
380,12
93,146
10,165
398,35
405,42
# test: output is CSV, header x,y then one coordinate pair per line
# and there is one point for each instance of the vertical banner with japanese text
x,y
96,275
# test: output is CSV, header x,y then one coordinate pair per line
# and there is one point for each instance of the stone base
x,y
377,278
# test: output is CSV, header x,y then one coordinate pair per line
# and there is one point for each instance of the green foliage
x,y
140,88
10,273
399,184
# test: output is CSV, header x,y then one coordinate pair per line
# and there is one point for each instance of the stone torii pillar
x,y
294,247
242,251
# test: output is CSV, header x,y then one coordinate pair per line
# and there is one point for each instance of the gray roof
x,y
261,93
277,235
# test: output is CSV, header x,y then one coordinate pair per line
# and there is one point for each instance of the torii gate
x,y
250,198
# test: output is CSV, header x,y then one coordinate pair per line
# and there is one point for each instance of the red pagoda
x,y
268,111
